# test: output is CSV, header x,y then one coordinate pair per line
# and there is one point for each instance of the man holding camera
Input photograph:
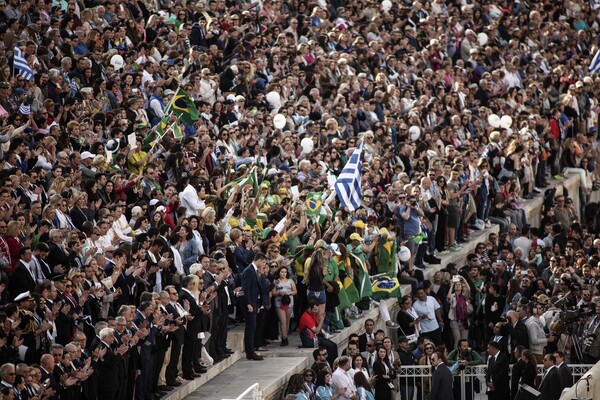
x,y
591,338
411,215
465,357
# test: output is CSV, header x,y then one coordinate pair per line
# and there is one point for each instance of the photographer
x,y
464,356
411,214
591,338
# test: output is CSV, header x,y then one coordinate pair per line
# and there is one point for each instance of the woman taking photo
x,y
459,300
384,375
284,292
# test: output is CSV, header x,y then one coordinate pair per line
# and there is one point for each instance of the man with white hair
x,y
468,43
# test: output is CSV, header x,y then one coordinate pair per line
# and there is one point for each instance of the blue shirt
x,y
412,225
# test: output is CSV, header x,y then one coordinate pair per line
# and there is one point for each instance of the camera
x,y
413,203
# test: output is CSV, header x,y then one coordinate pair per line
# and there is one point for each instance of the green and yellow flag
x,y
177,132
156,133
183,106
313,203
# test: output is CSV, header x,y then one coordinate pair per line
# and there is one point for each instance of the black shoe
x,y
217,360
174,384
160,393
255,357
200,370
189,377
228,351
284,342
164,388
156,396
431,259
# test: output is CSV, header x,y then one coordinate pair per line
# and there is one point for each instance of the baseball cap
x,y
356,236
86,154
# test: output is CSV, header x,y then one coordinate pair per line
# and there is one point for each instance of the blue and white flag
x,y
25,109
347,185
20,64
595,64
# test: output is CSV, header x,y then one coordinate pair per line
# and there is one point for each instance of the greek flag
x,y
595,64
20,64
347,185
24,109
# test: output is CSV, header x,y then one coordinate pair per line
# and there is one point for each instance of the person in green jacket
x,y
462,357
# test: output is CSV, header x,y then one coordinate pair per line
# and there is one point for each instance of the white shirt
x,y
122,229
341,379
190,200
427,308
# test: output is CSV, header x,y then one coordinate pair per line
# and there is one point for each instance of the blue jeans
x,y
319,296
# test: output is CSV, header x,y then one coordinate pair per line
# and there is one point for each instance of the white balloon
x,y
404,254
506,121
414,132
117,62
307,145
274,100
386,5
482,38
279,121
494,120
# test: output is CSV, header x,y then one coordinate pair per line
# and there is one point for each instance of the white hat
x,y
230,97
136,210
161,209
153,202
86,154
239,97
168,92
24,296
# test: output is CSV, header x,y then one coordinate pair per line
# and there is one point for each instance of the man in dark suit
x,y
517,330
107,365
500,337
179,318
369,334
441,381
496,377
550,387
251,302
147,350
517,371
566,377
58,255
194,326
22,279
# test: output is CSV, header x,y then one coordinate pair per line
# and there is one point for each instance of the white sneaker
x,y
327,335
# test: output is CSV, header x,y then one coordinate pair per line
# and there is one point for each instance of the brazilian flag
x,y
156,133
361,272
183,106
314,201
386,261
385,287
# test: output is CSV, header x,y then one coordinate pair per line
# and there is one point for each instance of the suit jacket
x,y
57,256
566,378
518,334
362,341
251,288
381,383
498,375
194,326
108,370
517,371
441,384
21,280
551,386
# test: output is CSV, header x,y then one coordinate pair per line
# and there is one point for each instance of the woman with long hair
x,y
324,389
384,375
529,373
295,387
459,300
359,365
14,243
187,247
284,292
363,386
314,277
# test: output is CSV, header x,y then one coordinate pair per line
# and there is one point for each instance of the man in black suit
x,y
107,365
179,317
517,371
517,330
550,387
500,337
496,377
58,256
194,326
441,381
22,279
147,350
251,302
566,377
369,334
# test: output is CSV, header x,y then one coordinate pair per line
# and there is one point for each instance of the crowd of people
x,y
167,169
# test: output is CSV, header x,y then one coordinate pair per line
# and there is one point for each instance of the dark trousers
x,y
171,371
161,351
189,351
249,331
222,337
144,380
259,335
215,331
435,336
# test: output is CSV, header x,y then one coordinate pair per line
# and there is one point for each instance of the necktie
x,y
371,361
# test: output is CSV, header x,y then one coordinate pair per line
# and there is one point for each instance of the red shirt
x,y
307,321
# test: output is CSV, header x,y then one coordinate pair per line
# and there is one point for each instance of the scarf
x,y
462,315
